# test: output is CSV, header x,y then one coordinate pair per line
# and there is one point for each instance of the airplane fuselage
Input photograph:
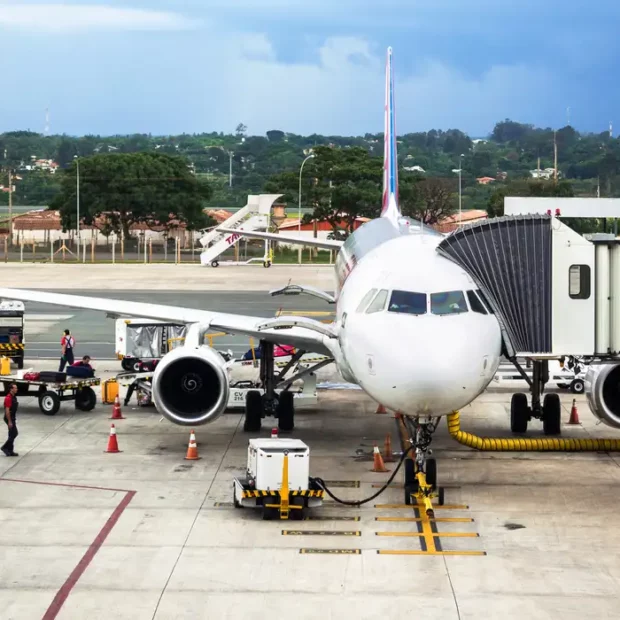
x,y
414,332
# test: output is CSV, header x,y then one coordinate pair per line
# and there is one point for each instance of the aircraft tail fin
x,y
390,208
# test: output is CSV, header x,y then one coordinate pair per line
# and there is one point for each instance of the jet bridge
x,y
555,293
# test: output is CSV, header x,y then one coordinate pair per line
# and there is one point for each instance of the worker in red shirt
x,y
67,343
10,418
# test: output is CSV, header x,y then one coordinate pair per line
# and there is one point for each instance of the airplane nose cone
x,y
430,373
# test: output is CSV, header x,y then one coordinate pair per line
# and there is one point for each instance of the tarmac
x,y
146,534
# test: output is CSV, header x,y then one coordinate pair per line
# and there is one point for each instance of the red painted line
x,y
78,571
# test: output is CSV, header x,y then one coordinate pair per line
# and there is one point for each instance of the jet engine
x,y
190,386
602,387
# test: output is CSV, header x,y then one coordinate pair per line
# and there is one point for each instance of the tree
x,y
340,185
427,200
126,188
240,130
275,135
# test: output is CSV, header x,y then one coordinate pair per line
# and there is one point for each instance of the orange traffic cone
x,y
389,457
380,409
117,413
574,416
378,465
112,441
192,449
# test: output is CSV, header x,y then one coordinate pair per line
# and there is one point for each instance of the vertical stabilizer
x,y
390,208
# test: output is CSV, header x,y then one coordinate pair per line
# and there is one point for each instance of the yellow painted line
x,y
320,533
427,530
430,534
419,552
445,507
418,519
308,312
332,551
394,485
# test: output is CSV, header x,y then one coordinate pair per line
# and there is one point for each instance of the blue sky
x,y
173,66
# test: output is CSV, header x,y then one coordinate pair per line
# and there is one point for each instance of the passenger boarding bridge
x,y
555,293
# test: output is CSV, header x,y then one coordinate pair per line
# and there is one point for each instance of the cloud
x,y
63,17
343,93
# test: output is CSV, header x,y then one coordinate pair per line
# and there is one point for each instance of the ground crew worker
x,y
67,344
10,418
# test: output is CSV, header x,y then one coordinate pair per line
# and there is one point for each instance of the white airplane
x,y
411,329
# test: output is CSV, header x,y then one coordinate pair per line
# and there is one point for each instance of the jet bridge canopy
x,y
537,275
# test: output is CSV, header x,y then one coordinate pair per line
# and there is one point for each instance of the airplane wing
x,y
301,332
327,244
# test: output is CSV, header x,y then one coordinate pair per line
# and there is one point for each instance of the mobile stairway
x,y
256,215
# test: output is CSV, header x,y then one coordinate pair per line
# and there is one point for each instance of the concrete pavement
x,y
145,534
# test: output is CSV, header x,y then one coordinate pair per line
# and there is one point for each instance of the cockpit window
x,y
475,304
449,302
485,301
378,303
369,295
407,302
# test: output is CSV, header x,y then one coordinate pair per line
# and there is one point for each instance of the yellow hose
x,y
524,444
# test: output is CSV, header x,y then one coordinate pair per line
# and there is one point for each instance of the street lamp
x,y
77,163
299,202
460,187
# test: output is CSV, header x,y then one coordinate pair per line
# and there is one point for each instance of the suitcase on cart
x,y
109,391
49,376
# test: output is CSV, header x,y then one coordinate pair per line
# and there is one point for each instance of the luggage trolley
x,y
12,331
51,394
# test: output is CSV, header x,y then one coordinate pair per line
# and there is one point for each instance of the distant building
x,y
414,169
485,180
547,173
448,224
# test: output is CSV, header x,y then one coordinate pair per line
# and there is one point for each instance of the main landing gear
x,y
279,404
549,410
420,471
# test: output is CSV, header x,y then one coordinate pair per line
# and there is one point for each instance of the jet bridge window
x,y
378,303
579,281
369,295
448,302
406,302
475,304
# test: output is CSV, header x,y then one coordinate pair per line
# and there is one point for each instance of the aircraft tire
x,y
519,413
552,411
253,412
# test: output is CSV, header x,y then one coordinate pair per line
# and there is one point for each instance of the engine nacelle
x,y
190,386
602,387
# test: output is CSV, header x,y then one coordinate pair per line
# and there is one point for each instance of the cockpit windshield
x,y
448,302
406,302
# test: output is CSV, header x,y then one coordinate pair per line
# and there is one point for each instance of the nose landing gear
x,y
420,471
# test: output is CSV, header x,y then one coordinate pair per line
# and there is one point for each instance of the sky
x,y
191,66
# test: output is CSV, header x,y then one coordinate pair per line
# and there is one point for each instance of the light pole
x,y
299,203
77,183
460,186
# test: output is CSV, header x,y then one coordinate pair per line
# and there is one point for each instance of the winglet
x,y
390,208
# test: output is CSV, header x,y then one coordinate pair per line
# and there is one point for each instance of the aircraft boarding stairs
x,y
256,215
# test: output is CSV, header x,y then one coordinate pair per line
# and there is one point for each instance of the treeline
x,y
587,161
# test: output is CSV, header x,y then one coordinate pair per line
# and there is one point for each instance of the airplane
x,y
411,327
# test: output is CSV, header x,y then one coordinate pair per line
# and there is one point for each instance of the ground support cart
x,y
51,395
277,479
